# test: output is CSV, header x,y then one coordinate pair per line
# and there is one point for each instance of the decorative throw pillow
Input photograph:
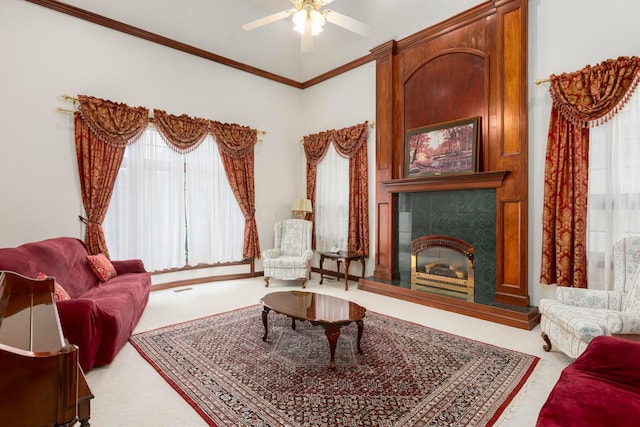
x,y
101,267
59,293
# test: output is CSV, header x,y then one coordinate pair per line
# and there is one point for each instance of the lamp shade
x,y
301,207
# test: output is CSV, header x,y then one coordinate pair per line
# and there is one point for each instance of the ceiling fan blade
x,y
268,19
348,23
306,42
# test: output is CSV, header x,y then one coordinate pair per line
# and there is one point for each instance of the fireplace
x,y
469,215
443,264
466,215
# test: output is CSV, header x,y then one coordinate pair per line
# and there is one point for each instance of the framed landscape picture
x,y
443,148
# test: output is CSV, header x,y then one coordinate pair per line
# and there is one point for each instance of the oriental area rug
x,y
408,374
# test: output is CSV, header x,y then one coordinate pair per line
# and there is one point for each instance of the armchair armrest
x,y
589,298
271,253
623,323
307,254
128,266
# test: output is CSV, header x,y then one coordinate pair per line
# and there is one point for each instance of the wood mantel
x,y
467,181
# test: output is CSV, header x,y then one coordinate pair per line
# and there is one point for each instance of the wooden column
x,y
511,115
385,202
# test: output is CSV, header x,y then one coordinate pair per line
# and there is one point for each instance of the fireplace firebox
x,y
443,264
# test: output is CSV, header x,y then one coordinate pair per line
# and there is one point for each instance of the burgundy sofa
x,y
99,317
600,388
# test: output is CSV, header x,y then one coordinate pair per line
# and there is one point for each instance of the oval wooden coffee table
x,y
330,312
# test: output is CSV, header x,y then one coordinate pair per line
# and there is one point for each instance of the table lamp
x,y
301,207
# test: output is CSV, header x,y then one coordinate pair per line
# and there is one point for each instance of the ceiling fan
x,y
309,18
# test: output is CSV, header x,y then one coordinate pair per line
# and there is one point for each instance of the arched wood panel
x,y
448,87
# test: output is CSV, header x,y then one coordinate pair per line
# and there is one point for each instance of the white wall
x,y
46,54
564,36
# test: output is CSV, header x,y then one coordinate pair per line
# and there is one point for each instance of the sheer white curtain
x,y
614,189
146,215
214,219
332,201
172,209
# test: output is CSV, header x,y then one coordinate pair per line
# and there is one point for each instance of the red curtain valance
x,y
234,140
350,139
182,133
113,123
594,94
315,146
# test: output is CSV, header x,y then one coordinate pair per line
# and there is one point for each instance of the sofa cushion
x,y
59,293
101,267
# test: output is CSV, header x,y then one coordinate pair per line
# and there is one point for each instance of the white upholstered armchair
x,y
290,259
577,316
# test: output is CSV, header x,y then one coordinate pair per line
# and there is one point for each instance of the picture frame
x,y
444,148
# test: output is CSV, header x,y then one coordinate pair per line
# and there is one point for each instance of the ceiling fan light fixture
x,y
305,17
309,17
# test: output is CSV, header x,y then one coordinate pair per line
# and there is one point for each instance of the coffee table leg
x,y
332,332
321,269
360,324
265,311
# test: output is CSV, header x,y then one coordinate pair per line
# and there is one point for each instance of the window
x,y
332,202
614,189
171,209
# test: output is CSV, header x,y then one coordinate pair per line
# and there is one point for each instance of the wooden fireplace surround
x,y
471,65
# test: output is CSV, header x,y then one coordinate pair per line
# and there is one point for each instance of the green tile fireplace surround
x,y
468,215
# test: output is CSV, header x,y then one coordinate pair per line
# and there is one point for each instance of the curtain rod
x,y
74,100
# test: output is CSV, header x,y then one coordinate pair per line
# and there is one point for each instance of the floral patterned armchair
x,y
291,257
577,316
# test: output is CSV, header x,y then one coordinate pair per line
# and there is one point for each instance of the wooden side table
x,y
339,257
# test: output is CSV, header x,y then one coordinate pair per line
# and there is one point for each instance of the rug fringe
x,y
518,400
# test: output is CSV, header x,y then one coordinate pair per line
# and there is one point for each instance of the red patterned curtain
x,y
182,133
583,99
236,145
102,131
350,142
